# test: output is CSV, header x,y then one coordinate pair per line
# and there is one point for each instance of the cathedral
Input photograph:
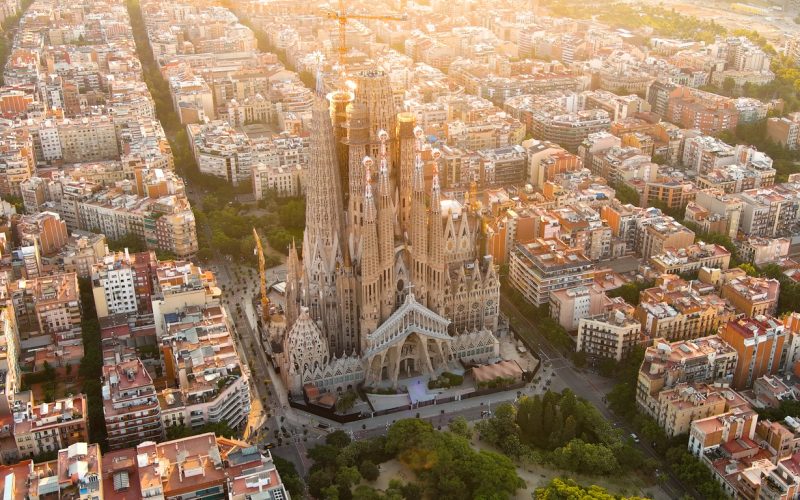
x,y
393,281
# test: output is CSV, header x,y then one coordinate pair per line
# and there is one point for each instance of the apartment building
x,y
45,230
77,470
707,112
580,226
666,364
48,427
536,269
767,212
283,181
202,362
17,162
87,139
123,283
670,190
547,160
130,405
568,129
769,392
180,284
752,295
785,130
202,466
743,463
676,309
612,335
658,94
707,434
691,258
763,250
82,251
782,439
715,211
48,305
502,166
654,235
569,306
684,403
704,153
222,151
10,375
759,343
622,219
736,178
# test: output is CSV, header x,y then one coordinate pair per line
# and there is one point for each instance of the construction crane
x,y
262,277
342,17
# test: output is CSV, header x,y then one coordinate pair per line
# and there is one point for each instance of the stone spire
x,y
347,291
323,196
373,89
370,260
386,218
357,142
321,243
293,274
436,262
405,171
419,233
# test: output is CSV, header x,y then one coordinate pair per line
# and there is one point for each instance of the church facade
x,y
393,282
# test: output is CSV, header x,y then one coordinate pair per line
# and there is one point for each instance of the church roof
x,y
411,317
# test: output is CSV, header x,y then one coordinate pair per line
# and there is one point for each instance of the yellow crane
x,y
262,277
342,17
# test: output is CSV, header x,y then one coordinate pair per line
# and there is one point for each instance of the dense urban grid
x,y
462,249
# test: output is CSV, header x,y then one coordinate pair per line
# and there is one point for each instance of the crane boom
x,y
342,17
262,277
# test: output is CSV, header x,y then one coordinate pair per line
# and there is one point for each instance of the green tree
x,y
330,493
337,439
631,291
323,455
448,467
289,476
346,401
369,470
749,268
570,429
346,477
567,489
580,456
318,480
460,427
728,84
364,492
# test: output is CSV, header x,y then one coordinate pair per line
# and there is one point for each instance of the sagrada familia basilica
x,y
393,282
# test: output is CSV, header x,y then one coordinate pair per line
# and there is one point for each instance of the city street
x,y
278,422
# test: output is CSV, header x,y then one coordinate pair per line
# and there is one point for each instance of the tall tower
x,y
418,234
370,261
373,89
436,260
293,275
323,196
321,243
348,292
386,226
357,144
339,100
406,143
